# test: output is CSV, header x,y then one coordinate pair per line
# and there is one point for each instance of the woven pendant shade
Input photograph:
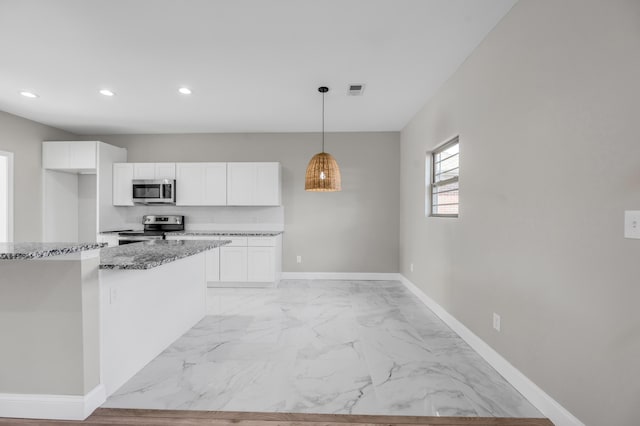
x,y
323,174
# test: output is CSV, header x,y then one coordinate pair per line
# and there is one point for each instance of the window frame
x,y
432,177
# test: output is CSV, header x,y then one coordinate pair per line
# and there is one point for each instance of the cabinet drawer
x,y
261,241
235,241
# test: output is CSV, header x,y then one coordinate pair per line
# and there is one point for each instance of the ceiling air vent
x,y
356,89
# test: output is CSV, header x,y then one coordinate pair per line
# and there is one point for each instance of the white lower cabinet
x,y
251,260
233,264
213,265
260,261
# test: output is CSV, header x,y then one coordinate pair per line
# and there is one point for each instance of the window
x,y
6,197
442,184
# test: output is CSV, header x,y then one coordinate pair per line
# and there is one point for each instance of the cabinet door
x,y
55,155
213,264
144,171
233,264
215,184
267,192
165,170
82,155
189,184
122,190
241,183
260,264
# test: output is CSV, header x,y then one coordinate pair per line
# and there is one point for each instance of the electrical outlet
x,y
411,267
632,224
496,321
299,259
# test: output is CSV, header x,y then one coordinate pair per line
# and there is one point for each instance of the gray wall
x,y
24,138
547,113
355,230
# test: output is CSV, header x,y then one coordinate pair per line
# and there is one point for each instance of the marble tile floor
x,y
319,346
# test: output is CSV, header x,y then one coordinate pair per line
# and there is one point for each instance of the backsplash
x,y
218,218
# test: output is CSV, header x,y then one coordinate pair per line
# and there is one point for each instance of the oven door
x,y
154,191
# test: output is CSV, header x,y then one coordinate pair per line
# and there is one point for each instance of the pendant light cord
x,y
323,121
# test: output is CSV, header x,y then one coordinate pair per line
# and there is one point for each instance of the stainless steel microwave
x,y
160,191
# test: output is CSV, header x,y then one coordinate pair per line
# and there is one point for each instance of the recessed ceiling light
x,y
29,94
106,92
184,90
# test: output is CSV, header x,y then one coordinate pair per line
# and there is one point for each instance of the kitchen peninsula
x,y
77,320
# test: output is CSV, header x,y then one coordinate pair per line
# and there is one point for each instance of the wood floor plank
x,y
344,418
132,417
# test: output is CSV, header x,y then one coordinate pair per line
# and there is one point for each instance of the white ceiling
x,y
253,65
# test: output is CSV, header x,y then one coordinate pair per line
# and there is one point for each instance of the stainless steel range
x,y
154,228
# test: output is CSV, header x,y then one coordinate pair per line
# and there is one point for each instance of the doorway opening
x,y
6,197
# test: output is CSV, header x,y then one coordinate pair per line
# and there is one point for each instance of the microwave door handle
x,y
166,191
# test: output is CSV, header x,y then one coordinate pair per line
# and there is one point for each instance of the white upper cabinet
x,y
215,183
201,184
165,170
122,188
189,184
72,156
151,171
144,171
205,184
253,184
82,155
267,184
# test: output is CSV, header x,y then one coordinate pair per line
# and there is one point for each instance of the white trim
x,y
55,407
372,276
10,190
548,406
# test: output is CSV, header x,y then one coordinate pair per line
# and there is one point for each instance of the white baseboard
x,y
55,407
548,406
369,276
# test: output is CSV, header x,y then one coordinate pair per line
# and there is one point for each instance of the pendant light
x,y
323,174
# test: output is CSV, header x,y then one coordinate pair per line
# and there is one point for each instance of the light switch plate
x,y
632,224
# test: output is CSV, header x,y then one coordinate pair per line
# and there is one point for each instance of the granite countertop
x,y
149,254
228,233
14,251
